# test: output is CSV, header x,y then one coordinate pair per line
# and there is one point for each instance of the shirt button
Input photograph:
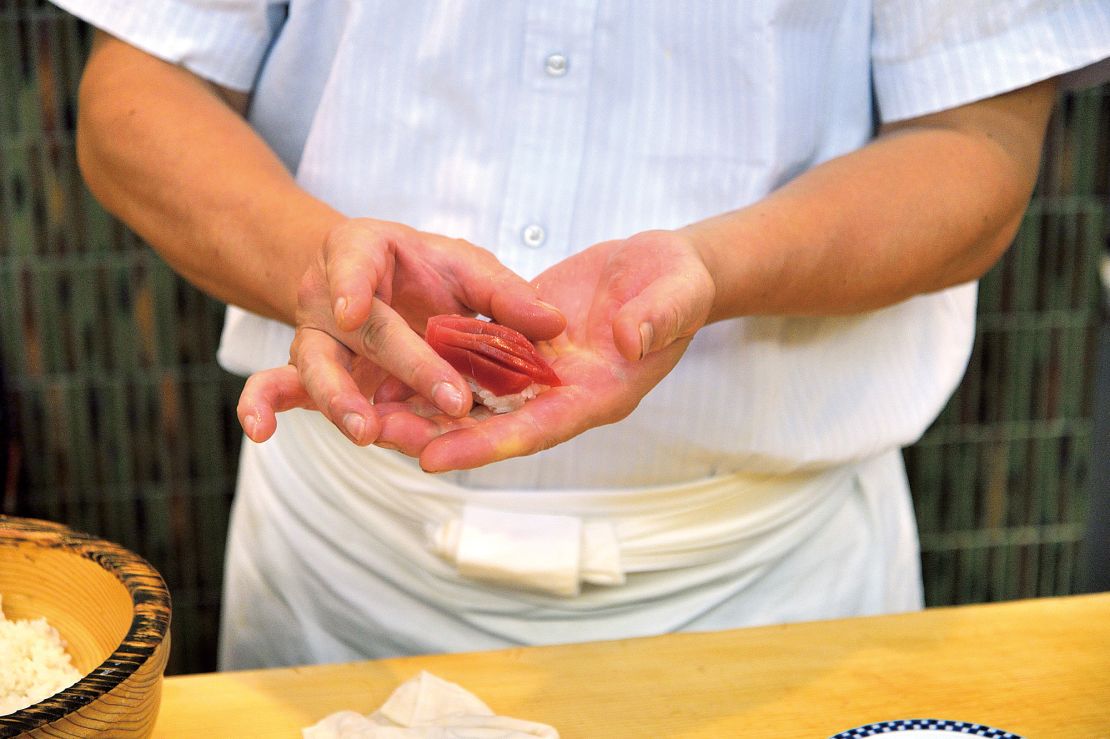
x,y
555,65
533,235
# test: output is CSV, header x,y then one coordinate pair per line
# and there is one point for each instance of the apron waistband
x,y
553,541
658,529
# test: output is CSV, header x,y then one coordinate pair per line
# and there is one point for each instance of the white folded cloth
x,y
537,551
428,707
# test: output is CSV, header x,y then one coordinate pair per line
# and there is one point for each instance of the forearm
x,y
167,154
927,205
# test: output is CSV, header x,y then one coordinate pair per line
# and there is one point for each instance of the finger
x,y
386,339
358,262
494,290
323,368
266,394
409,432
544,421
392,390
668,309
517,306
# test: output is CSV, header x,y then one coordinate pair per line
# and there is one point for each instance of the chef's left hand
x,y
632,307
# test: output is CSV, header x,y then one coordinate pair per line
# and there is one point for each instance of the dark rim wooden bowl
x,y
138,661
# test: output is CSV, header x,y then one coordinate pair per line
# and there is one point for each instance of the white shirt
x,y
537,129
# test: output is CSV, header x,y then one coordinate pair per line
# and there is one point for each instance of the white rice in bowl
x,y
33,663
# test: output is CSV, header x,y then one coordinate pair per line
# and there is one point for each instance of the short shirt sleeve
x,y
931,55
224,41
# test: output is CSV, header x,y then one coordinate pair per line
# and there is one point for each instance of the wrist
x,y
290,234
731,248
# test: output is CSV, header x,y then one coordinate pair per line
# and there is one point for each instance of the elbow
x,y
1014,181
107,108
92,132
999,228
993,220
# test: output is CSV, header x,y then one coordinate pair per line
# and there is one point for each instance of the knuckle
x,y
308,373
398,230
335,239
297,347
330,407
377,333
479,251
354,233
653,239
472,252
307,289
671,317
342,232
316,387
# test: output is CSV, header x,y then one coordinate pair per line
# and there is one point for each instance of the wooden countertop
x,y
1039,668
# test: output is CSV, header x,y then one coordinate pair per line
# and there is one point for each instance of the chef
x,y
745,235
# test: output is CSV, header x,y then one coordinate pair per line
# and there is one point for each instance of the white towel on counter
x,y
428,707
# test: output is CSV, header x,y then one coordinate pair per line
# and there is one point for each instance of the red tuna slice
x,y
496,357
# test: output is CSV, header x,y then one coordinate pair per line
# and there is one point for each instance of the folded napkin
x,y
544,552
428,707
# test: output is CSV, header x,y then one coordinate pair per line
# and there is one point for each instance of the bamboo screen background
x,y
116,420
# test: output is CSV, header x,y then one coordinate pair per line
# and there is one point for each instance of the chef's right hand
x,y
360,304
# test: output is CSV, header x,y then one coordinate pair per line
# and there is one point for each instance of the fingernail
x,y
547,305
249,424
448,398
355,425
646,335
340,309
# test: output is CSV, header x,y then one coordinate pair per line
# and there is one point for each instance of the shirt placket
x,y
549,137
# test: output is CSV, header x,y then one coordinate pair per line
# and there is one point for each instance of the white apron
x,y
365,556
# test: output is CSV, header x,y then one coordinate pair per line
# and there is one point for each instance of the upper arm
x,y
110,53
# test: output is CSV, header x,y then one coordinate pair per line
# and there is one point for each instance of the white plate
x,y
926,728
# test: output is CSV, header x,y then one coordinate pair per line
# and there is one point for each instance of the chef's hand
x,y
632,307
359,302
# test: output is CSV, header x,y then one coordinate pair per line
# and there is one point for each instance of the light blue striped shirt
x,y
539,128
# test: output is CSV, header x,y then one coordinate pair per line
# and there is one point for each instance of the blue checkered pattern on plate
x,y
926,724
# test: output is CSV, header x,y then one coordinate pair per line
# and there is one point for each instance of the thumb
x,y
493,289
668,309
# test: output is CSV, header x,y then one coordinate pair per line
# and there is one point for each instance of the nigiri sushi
x,y
500,364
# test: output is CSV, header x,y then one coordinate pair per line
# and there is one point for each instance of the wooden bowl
x,y
113,610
